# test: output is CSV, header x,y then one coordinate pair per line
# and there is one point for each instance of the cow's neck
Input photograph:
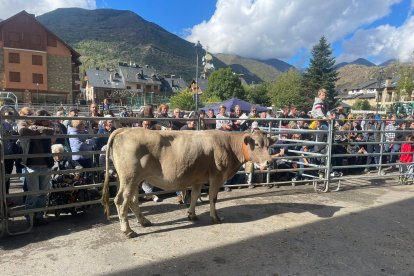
x,y
239,147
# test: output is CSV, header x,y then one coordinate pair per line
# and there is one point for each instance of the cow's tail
x,y
105,190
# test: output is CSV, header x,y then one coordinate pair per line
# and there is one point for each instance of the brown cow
x,y
175,160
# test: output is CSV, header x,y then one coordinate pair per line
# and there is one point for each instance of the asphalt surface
x,y
365,229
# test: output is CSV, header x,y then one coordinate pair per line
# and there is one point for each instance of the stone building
x,y
130,84
378,93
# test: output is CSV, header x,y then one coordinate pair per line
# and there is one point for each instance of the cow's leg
x,y
195,194
134,206
122,200
213,191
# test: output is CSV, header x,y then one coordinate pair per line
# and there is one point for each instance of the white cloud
x,y
382,43
280,28
9,8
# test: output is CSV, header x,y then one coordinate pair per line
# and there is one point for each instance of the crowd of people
x,y
357,139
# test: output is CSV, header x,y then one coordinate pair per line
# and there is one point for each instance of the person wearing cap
x,y
223,122
191,125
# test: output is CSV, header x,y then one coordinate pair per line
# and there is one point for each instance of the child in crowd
x,y
406,160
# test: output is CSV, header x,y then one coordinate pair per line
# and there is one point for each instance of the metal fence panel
x,y
300,165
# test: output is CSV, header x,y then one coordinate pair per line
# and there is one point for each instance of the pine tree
x,y
321,72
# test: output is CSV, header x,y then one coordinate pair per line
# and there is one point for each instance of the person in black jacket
x,y
33,165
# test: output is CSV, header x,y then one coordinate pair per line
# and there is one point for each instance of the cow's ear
x,y
272,140
247,138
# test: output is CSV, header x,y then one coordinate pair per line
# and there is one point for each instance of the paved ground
x,y
366,229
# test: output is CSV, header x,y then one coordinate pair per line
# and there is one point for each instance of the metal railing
x,y
309,158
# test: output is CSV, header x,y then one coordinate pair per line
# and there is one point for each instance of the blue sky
x,y
285,29
174,16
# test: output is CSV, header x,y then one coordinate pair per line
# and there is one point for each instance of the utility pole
x,y
196,47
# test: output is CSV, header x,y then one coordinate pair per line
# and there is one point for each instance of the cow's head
x,y
256,148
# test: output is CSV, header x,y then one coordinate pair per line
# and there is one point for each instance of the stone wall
x,y
59,75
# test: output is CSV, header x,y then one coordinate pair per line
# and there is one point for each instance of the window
x,y
155,87
138,86
37,60
14,58
148,88
14,76
37,78
128,87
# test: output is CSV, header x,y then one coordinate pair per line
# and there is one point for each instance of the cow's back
x,y
171,159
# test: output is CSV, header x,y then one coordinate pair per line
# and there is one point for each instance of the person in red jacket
x,y
406,160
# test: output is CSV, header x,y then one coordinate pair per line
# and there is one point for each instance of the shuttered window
x,y
14,76
14,58
37,78
37,60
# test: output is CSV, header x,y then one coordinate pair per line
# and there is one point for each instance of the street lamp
x,y
37,85
196,47
379,79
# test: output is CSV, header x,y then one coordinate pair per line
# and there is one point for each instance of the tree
x,y
258,94
361,105
224,84
286,90
405,84
211,100
321,72
183,100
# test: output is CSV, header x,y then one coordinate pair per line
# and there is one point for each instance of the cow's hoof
x,y
145,223
192,217
131,234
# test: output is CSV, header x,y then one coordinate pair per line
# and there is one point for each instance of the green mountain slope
x,y
105,37
252,69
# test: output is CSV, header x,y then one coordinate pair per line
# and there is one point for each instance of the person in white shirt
x,y
223,122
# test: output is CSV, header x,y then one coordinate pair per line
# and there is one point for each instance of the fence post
x,y
328,159
3,205
198,121
381,148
